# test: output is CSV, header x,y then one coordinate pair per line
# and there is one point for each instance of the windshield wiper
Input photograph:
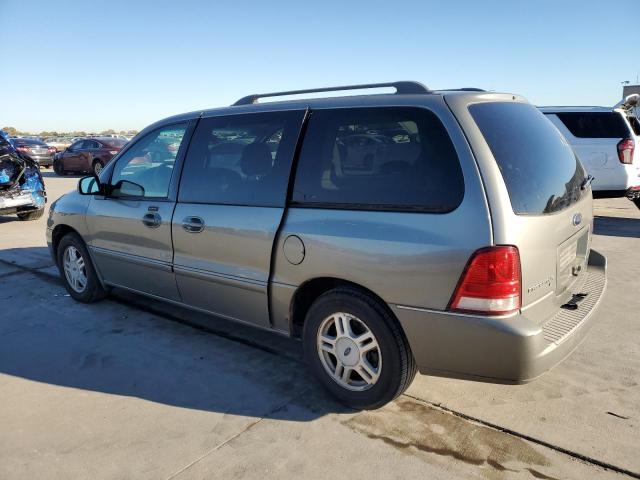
x,y
586,182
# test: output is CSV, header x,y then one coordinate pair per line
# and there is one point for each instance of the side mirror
x,y
89,186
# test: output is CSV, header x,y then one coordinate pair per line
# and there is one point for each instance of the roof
x,y
343,101
577,109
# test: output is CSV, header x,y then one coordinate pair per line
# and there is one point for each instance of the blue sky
x,y
124,64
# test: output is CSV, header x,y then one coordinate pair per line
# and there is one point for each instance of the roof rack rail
x,y
404,87
465,89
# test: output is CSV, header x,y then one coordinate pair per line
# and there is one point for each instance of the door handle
x,y
193,224
152,219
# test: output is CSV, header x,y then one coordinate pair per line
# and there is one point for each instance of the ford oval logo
x,y
577,219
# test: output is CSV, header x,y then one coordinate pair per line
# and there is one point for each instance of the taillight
x,y
490,283
625,150
23,148
51,149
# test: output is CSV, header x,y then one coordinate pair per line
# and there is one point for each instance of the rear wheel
x,y
58,168
31,215
97,167
357,349
77,271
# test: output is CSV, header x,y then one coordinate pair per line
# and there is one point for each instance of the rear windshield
x,y
595,124
540,170
27,141
113,142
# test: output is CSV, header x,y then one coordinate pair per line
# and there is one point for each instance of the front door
x,y
231,201
130,228
71,156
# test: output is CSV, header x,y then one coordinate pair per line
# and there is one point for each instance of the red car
x,y
87,155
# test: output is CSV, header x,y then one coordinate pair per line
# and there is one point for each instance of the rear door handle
x,y
152,219
193,224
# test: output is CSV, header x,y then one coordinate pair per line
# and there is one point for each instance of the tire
x,y
637,202
59,169
92,290
31,215
391,358
97,167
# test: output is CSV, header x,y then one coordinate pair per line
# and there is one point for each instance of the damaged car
x,y
22,189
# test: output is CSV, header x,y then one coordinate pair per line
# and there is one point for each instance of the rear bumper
x,y
11,204
502,350
633,193
43,160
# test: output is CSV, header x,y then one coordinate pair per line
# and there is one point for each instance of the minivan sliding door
x,y
230,204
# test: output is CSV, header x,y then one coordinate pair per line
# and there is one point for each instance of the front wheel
x,y
58,168
77,271
356,349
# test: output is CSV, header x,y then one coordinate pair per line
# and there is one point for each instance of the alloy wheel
x,y
74,269
349,351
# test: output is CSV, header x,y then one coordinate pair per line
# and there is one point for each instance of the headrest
x,y
256,160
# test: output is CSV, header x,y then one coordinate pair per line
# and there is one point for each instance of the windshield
x,y
541,171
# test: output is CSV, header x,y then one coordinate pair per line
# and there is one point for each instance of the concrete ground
x,y
132,388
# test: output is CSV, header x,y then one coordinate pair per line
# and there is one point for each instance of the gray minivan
x,y
442,231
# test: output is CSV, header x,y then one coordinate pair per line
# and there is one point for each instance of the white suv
x,y
606,141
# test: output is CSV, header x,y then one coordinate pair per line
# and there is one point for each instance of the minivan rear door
x,y
230,205
539,198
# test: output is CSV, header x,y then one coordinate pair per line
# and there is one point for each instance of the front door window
x,y
145,170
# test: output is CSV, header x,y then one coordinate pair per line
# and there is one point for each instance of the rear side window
x,y
378,158
540,170
241,159
595,124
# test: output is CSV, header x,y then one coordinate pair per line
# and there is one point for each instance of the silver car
x,y
446,232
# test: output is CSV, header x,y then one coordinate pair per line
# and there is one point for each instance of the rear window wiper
x,y
586,182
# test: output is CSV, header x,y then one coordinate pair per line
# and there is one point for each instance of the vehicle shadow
x,y
8,218
52,174
123,348
616,226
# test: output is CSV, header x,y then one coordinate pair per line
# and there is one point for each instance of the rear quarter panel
x,y
410,259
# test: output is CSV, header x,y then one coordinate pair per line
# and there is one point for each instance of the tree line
x,y
76,133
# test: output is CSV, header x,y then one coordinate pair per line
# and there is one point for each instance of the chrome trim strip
x,y
457,314
239,282
144,261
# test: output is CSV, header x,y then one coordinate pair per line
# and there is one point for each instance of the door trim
x,y
244,283
137,259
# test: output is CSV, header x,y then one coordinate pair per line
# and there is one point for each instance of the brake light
x,y
625,150
23,148
491,282
51,149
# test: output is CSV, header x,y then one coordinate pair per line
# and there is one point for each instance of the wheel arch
x,y
310,290
58,234
60,231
